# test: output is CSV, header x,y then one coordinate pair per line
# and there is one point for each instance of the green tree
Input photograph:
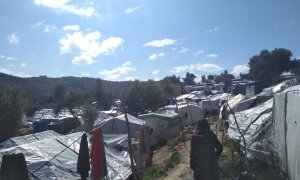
x,y
203,79
268,66
189,79
11,111
227,80
101,96
210,77
90,114
172,79
69,99
295,67
140,97
31,108
133,98
154,95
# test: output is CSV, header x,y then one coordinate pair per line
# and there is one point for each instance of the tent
x,y
251,102
164,126
287,130
50,155
232,103
190,113
255,124
117,125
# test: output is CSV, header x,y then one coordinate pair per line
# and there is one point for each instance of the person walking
x,y
205,150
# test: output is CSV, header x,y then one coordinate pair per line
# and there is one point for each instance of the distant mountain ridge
x,y
42,87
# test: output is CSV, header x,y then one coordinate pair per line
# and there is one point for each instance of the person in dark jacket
x,y
205,149
83,161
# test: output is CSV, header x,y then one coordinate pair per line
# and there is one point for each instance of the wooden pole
x,y
134,173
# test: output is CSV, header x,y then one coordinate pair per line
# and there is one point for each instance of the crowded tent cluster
x,y
261,125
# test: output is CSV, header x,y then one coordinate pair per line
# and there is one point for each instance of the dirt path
x,y
182,171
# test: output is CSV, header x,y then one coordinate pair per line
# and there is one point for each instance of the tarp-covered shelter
x,y
117,125
251,102
164,126
50,155
190,113
287,130
212,102
233,102
255,124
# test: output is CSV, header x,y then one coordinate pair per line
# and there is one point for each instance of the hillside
x,y
42,87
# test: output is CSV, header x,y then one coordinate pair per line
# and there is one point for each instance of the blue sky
x,y
138,39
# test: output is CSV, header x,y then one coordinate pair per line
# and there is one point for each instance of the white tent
x,y
190,113
232,103
287,130
164,126
117,125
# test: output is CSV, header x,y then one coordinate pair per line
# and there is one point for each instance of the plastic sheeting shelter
x,y
117,125
164,126
190,114
287,130
53,156
255,123
233,102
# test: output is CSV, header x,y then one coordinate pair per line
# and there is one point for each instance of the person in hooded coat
x,y
205,149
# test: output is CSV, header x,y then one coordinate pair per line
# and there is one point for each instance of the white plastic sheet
x,y
287,130
255,125
63,164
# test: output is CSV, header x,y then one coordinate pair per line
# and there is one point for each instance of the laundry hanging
x,y
98,159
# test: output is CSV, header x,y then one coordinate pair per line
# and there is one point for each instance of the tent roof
x,y
54,157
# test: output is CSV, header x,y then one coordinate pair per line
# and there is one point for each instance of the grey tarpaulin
x,y
38,152
255,124
287,130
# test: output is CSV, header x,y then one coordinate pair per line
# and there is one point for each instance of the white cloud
x,y
215,29
87,46
23,64
87,11
10,58
240,69
64,6
50,28
132,9
157,79
13,39
199,52
156,72
86,74
71,28
114,74
51,3
183,50
160,43
2,56
38,24
211,68
152,57
129,78
10,72
212,55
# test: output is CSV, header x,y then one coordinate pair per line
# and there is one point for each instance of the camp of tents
x,y
263,126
